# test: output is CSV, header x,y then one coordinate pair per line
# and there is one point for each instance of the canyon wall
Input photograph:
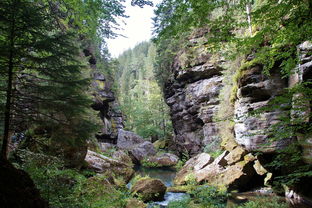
x,y
202,87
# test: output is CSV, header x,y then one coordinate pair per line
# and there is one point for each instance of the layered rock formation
x,y
193,90
195,93
192,95
109,112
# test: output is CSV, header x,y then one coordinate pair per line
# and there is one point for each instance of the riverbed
x,y
167,175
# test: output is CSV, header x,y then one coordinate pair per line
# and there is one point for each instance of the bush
x,y
59,186
149,164
209,196
184,203
69,188
265,202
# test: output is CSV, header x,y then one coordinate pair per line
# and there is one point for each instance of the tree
x,y
42,74
140,95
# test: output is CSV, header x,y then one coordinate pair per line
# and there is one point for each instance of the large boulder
x,y
236,176
143,150
149,189
194,164
127,139
120,155
164,160
106,165
138,148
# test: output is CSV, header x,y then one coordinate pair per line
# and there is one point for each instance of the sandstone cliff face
x,y
193,95
109,112
104,101
199,90
255,90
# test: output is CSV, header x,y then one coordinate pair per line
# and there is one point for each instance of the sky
x,y
138,28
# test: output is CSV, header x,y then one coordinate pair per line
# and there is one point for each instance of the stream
x,y
166,175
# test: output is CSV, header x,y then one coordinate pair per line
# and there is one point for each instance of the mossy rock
x,y
135,203
161,144
149,189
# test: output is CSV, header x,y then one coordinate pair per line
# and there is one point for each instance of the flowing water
x,y
166,175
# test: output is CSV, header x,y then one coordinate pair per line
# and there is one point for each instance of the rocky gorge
x,y
213,112
211,101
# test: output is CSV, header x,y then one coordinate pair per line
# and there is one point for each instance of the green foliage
x,y
209,196
58,186
96,194
150,164
179,165
93,19
278,27
265,202
190,179
290,166
184,203
47,73
66,188
184,158
140,97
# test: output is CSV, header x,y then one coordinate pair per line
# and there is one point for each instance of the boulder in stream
x,y
149,189
164,160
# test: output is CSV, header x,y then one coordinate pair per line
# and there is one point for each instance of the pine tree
x,y
40,74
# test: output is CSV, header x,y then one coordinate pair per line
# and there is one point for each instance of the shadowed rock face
x,y
109,112
104,101
304,73
192,95
17,189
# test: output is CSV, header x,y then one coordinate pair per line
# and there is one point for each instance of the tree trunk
x,y
248,11
7,110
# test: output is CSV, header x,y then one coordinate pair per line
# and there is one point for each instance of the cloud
x,y
138,28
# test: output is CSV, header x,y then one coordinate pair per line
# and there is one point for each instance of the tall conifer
x,y
41,76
